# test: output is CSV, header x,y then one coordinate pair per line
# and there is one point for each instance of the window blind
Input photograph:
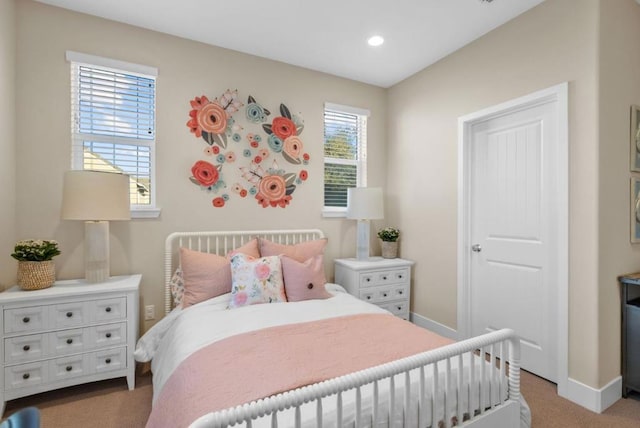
x,y
345,136
113,126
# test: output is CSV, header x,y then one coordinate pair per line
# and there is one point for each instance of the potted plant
x,y
389,245
35,263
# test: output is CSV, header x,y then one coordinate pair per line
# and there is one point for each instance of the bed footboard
x,y
475,382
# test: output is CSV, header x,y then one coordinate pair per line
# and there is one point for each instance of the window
x,y
113,123
345,155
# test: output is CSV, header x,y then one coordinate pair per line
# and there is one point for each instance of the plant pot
x,y
36,275
389,249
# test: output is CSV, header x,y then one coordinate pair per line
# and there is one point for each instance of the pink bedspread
x,y
262,363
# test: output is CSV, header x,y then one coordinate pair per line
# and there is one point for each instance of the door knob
x,y
476,248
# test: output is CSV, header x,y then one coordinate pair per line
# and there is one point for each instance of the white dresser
x,y
383,282
70,333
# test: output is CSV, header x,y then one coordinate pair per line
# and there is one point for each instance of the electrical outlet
x,y
149,312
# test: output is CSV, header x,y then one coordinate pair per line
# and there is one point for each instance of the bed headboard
x,y
221,242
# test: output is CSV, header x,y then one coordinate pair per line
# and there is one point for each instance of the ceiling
x,y
328,35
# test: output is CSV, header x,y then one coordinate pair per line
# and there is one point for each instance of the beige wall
x,y
186,69
7,141
619,89
552,43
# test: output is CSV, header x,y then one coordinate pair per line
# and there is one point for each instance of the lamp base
x,y
363,240
96,251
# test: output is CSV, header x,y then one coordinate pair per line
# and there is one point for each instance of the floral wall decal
x,y
226,141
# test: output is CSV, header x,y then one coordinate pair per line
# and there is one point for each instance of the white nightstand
x,y
68,334
383,282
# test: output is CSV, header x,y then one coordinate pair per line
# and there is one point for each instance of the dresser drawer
x,y
111,359
69,314
101,336
22,320
384,293
25,375
109,309
69,367
67,341
25,348
374,278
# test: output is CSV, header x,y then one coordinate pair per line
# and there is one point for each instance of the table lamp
x,y
97,198
364,204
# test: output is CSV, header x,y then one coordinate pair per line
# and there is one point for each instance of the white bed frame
x,y
502,349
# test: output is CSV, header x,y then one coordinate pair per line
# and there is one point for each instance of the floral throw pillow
x,y
256,281
177,287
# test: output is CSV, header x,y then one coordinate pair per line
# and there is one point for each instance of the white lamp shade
x,y
95,196
365,203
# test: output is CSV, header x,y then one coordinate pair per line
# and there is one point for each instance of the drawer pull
x,y
384,295
68,368
368,297
69,314
26,348
400,292
26,320
69,341
108,335
399,308
108,309
400,276
108,361
368,279
25,376
384,277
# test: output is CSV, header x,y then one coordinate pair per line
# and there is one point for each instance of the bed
x,y
312,363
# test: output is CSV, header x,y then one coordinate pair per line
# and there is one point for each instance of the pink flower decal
x,y
283,127
205,173
240,298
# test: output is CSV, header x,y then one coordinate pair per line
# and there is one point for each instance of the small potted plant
x,y
35,263
389,245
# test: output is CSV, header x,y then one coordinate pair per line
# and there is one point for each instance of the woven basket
x,y
36,275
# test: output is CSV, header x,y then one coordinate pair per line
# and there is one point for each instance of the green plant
x,y
389,234
35,250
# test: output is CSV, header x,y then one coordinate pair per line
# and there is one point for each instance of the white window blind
x,y
345,154
113,125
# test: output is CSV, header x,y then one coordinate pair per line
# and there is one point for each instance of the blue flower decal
x,y
275,143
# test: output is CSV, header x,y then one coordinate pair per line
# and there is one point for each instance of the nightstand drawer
x,y
21,320
400,309
374,278
384,293
24,348
25,375
110,309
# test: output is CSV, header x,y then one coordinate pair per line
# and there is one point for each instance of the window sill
x,y
145,213
330,212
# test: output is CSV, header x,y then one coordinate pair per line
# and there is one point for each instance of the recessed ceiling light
x,y
375,41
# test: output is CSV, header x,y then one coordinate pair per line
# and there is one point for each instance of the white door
x,y
513,236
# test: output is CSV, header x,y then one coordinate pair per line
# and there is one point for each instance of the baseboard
x,y
596,400
434,326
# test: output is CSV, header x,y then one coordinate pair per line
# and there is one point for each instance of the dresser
x,y
68,334
383,282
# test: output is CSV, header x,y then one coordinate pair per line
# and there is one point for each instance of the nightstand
x,y
383,282
68,334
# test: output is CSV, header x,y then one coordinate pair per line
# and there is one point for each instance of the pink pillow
x,y
300,252
256,281
304,281
209,275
